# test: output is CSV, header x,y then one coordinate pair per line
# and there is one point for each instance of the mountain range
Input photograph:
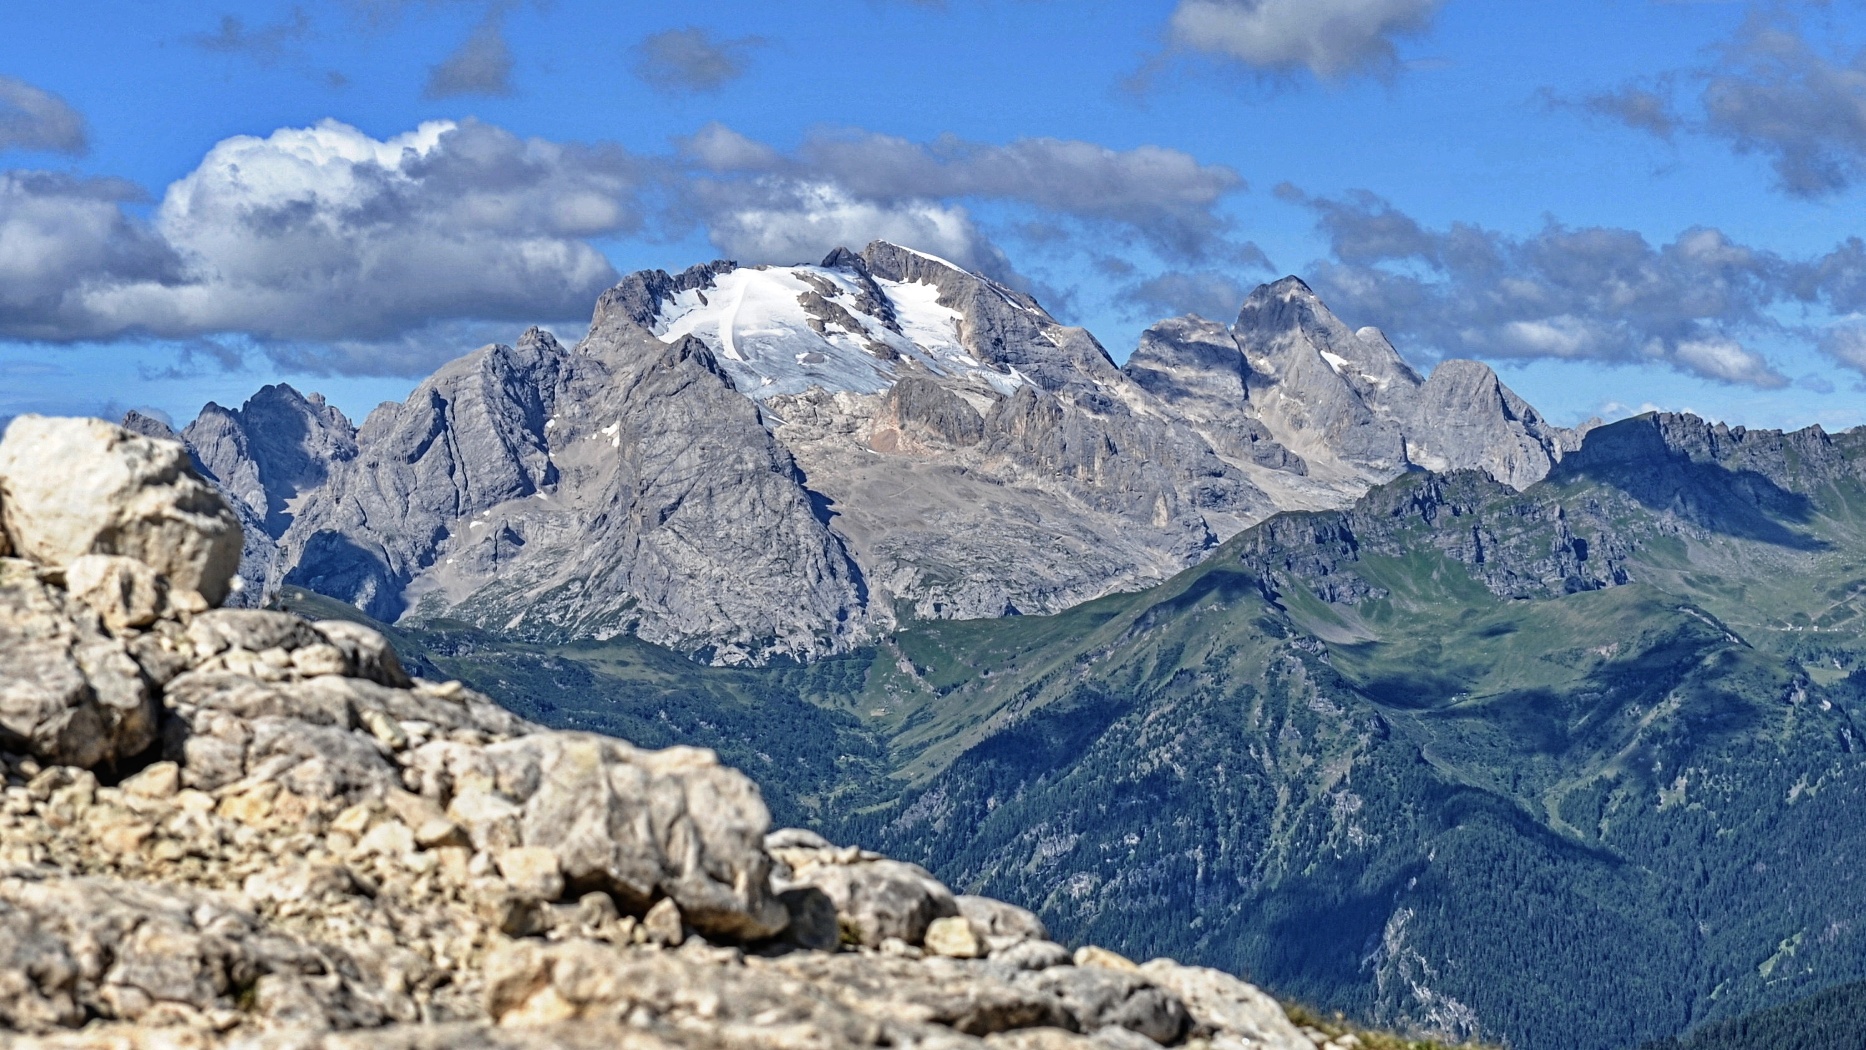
x,y
756,463
1259,650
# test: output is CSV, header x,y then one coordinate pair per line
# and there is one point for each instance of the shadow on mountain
x,y
1653,460
336,565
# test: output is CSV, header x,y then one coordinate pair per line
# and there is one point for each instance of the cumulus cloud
x,y
1330,38
1846,344
324,244
1162,197
1775,95
1208,293
322,235
1769,92
788,220
35,119
482,65
62,239
1572,293
692,60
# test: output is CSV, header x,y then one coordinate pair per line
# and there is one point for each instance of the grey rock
x,y
367,652
625,487
331,856
963,996
1220,1004
124,592
1033,955
259,550
643,825
250,630
73,487
796,838
1346,398
741,508
813,922
69,693
1000,921
271,451
130,952
1100,998
879,899
919,414
1466,419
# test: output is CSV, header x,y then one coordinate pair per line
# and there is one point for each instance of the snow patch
x,y
755,322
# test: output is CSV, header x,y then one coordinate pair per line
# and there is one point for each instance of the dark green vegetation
x,y
1574,768
1831,1020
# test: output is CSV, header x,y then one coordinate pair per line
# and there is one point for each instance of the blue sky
x,y
1620,203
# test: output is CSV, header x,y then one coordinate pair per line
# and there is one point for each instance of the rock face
x,y
314,850
271,451
623,487
747,463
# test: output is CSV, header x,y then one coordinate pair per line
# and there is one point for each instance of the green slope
x,y
1573,768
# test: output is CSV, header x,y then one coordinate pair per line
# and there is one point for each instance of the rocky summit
x,y
746,463
237,827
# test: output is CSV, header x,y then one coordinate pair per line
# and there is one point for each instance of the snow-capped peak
x,y
782,330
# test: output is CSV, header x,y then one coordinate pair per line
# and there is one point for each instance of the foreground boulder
x,y
239,828
70,692
71,487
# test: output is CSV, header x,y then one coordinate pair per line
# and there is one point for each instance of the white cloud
x,y
60,239
1845,342
784,221
1329,38
1587,293
325,244
322,234
1162,197
1728,360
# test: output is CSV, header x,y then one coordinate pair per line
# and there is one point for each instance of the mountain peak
x,y
844,259
1289,286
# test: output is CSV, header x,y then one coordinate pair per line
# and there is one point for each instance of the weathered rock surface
x,y
71,487
622,488
746,463
311,849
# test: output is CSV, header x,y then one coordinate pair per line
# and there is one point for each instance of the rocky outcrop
x,y
72,487
259,551
623,487
290,843
1464,418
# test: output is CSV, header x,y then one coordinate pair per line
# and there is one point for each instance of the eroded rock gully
x,y
238,828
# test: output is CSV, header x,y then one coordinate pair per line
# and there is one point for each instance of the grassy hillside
x,y
1573,768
